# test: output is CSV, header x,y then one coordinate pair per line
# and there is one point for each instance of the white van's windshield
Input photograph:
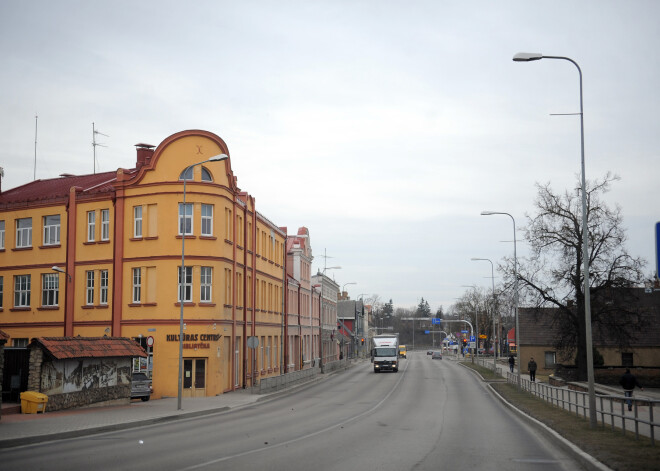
x,y
385,352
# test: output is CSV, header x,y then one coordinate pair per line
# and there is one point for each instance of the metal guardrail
x,y
610,409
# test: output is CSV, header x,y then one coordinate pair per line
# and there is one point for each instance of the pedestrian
x,y
531,366
628,382
512,361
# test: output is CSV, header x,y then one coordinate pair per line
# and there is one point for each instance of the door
x,y
194,377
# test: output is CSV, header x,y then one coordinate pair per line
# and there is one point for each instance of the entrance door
x,y
194,377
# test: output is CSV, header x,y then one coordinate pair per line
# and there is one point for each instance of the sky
x,y
385,127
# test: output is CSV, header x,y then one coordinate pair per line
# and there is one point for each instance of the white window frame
x,y
137,222
103,287
23,234
184,218
206,285
52,230
89,287
22,285
2,235
137,285
188,285
105,224
91,226
50,289
207,220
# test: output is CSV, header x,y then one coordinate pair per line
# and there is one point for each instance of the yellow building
x,y
101,254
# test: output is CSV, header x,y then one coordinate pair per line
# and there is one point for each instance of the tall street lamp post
x,y
492,277
515,286
182,273
528,57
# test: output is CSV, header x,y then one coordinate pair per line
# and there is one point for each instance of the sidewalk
x,y
21,429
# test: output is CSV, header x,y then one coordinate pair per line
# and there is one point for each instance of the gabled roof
x,y
55,188
62,348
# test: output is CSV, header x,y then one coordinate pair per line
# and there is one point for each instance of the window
x,y
91,226
50,289
137,221
52,230
137,285
22,291
207,220
228,293
105,224
2,235
228,225
185,219
627,359
186,287
19,343
206,175
2,291
24,232
550,359
187,174
89,287
103,294
205,283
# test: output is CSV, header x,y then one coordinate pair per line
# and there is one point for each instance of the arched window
x,y
187,174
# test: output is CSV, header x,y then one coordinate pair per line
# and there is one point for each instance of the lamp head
x,y
527,56
218,158
487,213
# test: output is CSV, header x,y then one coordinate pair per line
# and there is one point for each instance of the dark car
x,y
429,352
436,356
141,387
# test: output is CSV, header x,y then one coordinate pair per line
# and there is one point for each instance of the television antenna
x,y
95,144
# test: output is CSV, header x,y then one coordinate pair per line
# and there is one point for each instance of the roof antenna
x,y
94,143
36,119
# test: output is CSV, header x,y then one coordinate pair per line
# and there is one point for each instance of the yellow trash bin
x,y
33,402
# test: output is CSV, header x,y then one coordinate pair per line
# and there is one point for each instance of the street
x,y
431,415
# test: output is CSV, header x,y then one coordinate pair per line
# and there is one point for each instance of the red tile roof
x,y
90,347
58,187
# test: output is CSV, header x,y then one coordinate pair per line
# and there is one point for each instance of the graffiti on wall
x,y
67,376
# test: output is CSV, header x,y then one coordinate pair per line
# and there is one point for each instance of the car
x,y
436,356
141,387
429,352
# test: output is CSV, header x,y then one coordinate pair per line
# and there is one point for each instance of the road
x,y
431,415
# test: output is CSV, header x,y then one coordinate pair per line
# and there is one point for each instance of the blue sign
x,y
427,331
436,320
464,331
657,250
473,338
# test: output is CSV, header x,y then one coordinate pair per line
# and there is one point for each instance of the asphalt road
x,y
432,415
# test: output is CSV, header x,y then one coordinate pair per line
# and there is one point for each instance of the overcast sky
x,y
385,127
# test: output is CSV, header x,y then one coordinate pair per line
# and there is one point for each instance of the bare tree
x,y
553,274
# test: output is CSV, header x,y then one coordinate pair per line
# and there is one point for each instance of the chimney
x,y
144,154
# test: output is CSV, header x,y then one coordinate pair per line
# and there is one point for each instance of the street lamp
x,y
61,270
344,286
533,56
515,286
492,276
182,274
321,313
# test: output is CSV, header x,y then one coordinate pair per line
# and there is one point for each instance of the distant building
x,y
328,289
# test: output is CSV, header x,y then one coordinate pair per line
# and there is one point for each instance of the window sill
x,y
48,308
103,241
20,249
206,304
228,305
136,239
89,242
22,308
151,238
185,304
205,237
101,306
227,241
134,305
87,306
50,246
188,236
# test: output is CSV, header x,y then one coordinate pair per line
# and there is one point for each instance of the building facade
x,y
101,254
326,300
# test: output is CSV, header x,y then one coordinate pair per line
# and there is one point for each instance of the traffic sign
x,y
464,331
473,338
150,341
253,342
427,331
436,320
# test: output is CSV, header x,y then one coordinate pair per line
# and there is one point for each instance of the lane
x,y
431,415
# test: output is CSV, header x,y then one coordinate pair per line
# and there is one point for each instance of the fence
x,y
610,409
